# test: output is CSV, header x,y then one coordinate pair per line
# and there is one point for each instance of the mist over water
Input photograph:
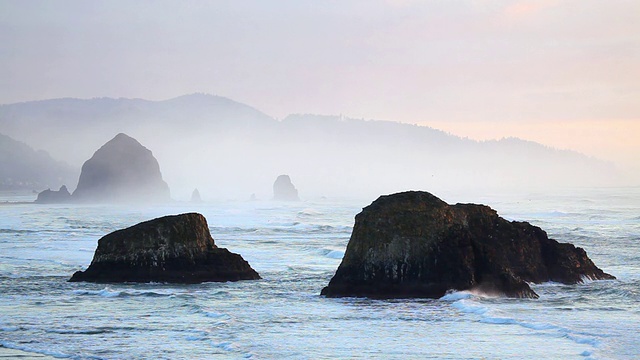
x,y
229,150
328,94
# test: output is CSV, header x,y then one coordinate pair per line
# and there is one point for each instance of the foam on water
x,y
108,292
456,295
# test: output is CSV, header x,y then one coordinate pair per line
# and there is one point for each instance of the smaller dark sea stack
x,y
172,249
413,244
54,197
284,190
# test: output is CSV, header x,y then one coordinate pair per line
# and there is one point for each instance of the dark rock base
x,y
413,244
220,265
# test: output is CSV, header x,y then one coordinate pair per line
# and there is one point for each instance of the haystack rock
x,y
284,190
122,170
172,249
195,196
54,197
413,244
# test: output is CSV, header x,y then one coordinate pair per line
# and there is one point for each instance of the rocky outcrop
x,y
284,190
173,249
122,170
195,196
413,244
54,197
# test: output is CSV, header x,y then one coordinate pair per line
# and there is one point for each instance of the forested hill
x,y
23,168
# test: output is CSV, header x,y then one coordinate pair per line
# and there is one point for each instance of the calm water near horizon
x,y
296,248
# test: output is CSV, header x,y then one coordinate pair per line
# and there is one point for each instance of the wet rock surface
x,y
172,249
413,244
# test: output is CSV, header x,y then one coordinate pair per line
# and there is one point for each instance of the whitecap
x,y
456,295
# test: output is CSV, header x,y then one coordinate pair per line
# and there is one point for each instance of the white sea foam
x,y
456,295
109,293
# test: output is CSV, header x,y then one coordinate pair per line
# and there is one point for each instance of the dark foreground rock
x,y
122,170
173,249
54,197
284,190
413,244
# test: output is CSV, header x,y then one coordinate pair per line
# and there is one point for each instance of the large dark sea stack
x,y
173,249
413,244
122,170
284,190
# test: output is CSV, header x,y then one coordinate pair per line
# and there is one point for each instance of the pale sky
x,y
563,73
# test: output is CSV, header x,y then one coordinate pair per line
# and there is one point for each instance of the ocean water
x,y
296,248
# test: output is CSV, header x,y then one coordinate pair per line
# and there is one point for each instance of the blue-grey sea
x,y
296,248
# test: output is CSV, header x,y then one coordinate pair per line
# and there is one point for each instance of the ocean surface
x,y
296,248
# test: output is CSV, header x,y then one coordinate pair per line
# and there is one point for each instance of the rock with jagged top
x,y
413,244
171,249
284,190
54,197
122,170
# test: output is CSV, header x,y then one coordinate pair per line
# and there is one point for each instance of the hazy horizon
x,y
560,73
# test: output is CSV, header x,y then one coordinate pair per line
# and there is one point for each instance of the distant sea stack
x,y
172,249
54,197
413,244
283,189
122,170
195,196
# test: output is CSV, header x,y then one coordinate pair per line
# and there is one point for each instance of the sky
x,y
563,73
